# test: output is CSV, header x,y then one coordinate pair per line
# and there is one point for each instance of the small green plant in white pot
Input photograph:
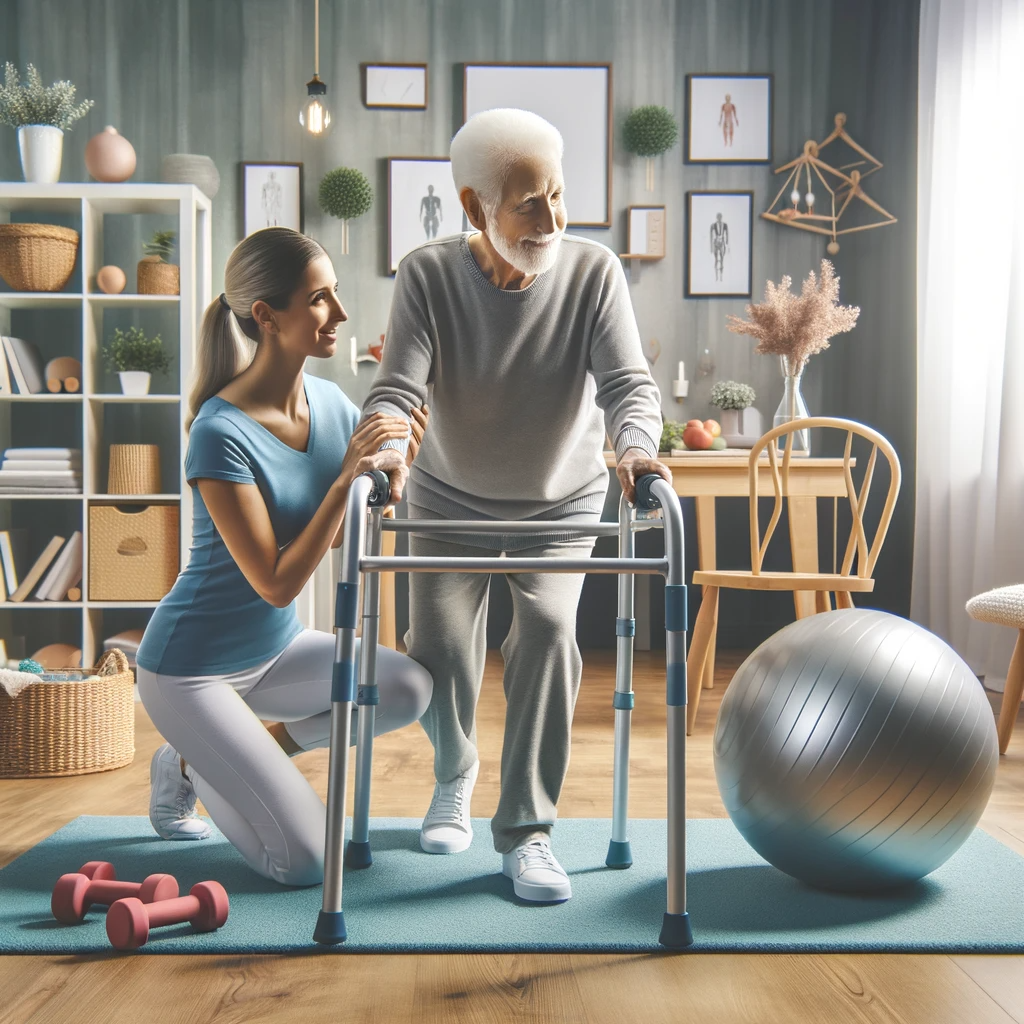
x,y
135,355
741,422
42,114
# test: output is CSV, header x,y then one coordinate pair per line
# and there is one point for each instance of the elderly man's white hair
x,y
491,143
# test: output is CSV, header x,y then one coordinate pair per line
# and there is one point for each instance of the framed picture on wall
x,y
423,204
394,86
645,233
719,253
576,99
728,119
272,196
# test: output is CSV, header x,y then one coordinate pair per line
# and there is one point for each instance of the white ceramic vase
x,y
41,146
134,382
741,427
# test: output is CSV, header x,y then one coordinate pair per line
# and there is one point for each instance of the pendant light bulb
x,y
314,114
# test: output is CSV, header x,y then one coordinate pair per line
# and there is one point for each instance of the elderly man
x,y
525,343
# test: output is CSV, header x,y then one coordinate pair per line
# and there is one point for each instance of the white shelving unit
x,y
85,206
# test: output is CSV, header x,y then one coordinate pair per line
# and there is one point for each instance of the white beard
x,y
526,258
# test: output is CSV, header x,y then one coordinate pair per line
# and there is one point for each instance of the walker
x,y
360,554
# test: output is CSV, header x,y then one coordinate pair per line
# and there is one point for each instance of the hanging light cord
x,y
316,39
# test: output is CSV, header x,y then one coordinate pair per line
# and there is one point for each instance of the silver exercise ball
x,y
855,750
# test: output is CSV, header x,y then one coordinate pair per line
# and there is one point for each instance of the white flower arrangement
x,y
36,103
730,394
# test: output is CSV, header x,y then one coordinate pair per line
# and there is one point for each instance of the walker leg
x,y
620,854
675,929
357,853
330,925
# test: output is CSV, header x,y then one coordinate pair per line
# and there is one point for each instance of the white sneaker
x,y
535,873
446,826
172,800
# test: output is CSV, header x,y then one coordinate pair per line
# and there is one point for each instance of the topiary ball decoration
x,y
650,131
28,665
345,193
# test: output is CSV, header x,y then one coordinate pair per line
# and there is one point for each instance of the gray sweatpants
x,y
448,637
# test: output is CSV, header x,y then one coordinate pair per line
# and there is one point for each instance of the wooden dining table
x,y
705,476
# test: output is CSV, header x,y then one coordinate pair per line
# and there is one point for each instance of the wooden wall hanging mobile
x,y
844,188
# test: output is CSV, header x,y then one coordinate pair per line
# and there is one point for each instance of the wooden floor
x,y
499,988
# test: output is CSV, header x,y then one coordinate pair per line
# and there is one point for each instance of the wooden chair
x,y
842,581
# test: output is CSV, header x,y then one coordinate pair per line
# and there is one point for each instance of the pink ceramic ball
x,y
111,279
110,156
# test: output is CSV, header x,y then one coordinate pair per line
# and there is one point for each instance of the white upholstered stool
x,y
1005,606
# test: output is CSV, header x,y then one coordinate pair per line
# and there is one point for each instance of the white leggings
x,y
255,795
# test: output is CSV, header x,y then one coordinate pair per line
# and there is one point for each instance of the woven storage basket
x,y
70,728
133,556
134,469
37,257
158,278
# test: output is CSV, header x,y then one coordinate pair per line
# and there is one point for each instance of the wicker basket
x,y
37,257
155,277
133,556
134,469
70,728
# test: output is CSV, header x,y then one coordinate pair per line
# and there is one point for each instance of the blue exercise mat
x,y
412,902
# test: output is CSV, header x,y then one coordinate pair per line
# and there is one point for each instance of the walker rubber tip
x,y
358,855
330,928
675,931
620,855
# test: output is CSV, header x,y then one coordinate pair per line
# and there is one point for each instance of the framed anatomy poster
x,y
271,196
423,204
728,119
719,254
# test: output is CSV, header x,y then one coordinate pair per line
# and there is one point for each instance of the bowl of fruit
x,y
702,436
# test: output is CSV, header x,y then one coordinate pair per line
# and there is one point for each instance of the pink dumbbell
x,y
96,882
129,920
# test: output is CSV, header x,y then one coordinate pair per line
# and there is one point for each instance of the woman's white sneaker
x,y
172,800
446,826
535,874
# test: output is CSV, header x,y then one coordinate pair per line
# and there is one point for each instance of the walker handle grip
x,y
381,493
644,498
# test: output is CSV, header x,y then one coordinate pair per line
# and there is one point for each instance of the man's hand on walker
x,y
635,463
392,462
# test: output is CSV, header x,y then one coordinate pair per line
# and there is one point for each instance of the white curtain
x,y
969,530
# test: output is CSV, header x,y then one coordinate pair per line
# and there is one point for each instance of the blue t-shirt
x,y
212,621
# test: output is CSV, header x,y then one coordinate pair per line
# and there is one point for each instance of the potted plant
x,y
345,193
134,355
41,114
650,131
155,276
741,422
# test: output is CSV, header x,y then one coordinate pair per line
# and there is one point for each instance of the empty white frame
x,y
576,99
395,86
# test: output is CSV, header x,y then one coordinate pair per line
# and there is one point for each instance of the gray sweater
x,y
522,385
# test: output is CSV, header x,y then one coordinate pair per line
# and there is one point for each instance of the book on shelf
x,y
40,566
26,364
5,377
14,556
65,572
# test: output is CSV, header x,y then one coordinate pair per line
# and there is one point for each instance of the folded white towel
x,y
13,681
43,453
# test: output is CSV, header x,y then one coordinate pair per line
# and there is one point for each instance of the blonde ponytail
x,y
267,266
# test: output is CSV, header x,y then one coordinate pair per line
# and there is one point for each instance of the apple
x,y
712,427
695,423
697,438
